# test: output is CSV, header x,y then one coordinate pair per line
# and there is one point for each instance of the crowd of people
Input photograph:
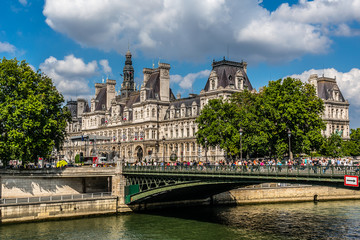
x,y
258,164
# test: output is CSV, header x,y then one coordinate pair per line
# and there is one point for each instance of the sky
x,y
81,42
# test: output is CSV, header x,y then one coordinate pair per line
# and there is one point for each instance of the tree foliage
x,y
265,118
332,146
352,147
32,119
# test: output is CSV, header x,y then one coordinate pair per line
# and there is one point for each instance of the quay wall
x,y
22,187
274,194
11,213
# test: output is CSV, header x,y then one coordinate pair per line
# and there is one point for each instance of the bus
x,y
96,161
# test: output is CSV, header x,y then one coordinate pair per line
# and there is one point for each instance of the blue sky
x,y
80,42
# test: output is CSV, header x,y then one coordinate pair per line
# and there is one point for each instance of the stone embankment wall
x,y
22,187
54,210
274,194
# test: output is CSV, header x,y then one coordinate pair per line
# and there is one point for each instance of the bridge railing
x,y
54,198
293,170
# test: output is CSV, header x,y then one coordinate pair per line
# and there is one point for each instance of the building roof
x,y
226,71
326,87
153,86
100,100
72,107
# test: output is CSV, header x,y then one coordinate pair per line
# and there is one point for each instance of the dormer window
x,y
143,96
212,84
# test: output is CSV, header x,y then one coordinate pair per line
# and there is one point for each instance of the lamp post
x,y
206,142
119,144
240,132
156,150
289,135
163,140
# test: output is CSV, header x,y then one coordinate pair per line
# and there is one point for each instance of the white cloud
x,y
349,84
187,81
105,64
7,47
193,30
70,75
23,2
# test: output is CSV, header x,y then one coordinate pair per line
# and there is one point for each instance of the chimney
x,y
147,73
164,81
98,87
81,106
313,79
110,92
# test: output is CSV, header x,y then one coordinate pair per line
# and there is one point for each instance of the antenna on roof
x,y
159,61
153,64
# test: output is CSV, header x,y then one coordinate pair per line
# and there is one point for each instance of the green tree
x,y
32,118
292,104
352,147
249,118
332,146
217,123
265,118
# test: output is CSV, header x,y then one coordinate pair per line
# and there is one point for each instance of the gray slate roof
x,y
326,86
226,71
101,100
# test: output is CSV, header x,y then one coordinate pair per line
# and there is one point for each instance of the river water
x,y
322,220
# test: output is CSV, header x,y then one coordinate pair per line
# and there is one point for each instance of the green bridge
x,y
146,184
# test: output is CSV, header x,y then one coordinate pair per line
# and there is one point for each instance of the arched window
x,y
153,112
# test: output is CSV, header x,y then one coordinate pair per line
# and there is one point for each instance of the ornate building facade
x,y
151,123
336,112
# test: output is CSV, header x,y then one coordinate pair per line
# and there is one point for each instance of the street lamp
x,y
156,150
163,140
119,144
129,152
240,132
206,142
289,135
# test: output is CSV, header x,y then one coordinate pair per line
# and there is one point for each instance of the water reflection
x,y
325,220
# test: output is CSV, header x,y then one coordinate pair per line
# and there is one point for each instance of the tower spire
x,y
128,72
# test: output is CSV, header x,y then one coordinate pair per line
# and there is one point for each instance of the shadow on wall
x,y
13,187
30,187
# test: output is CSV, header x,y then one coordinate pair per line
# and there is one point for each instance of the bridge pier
x,y
118,187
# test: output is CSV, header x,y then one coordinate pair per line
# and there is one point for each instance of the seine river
x,y
323,220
